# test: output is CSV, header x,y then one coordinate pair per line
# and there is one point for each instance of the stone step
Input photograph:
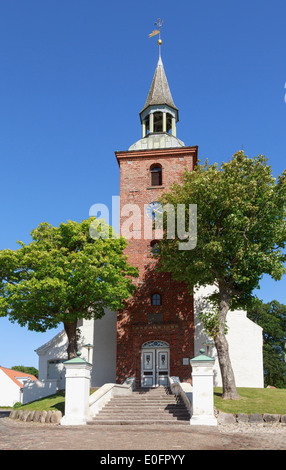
x,y
138,422
147,398
132,398
134,406
152,394
181,413
145,402
134,420
154,406
141,417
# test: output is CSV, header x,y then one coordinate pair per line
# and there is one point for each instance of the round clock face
x,y
152,208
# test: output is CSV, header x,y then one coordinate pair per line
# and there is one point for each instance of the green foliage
x,y
27,370
271,317
64,275
241,228
17,405
211,322
241,235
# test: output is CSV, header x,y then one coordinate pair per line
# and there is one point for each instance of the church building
x,y
158,331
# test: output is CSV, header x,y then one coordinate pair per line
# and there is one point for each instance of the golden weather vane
x,y
158,31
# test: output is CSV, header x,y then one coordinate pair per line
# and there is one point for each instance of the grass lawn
x,y
253,400
52,402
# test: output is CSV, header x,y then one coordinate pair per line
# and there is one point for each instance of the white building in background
x,y
11,385
101,334
245,341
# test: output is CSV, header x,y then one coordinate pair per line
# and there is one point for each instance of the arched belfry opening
x,y
158,121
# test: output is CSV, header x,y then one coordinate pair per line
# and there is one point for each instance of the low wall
x,y
51,416
184,390
104,394
36,389
255,418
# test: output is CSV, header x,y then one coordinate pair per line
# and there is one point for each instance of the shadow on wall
x,y
170,320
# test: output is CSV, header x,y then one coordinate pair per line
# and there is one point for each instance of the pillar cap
x,y
202,357
77,360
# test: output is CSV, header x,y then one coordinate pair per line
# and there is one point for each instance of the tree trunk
x,y
228,380
70,329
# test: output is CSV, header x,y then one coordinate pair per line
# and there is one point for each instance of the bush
x,y
17,405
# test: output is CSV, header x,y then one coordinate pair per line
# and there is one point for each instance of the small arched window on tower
x,y
156,299
156,174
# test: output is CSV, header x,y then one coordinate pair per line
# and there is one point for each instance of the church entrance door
x,y
155,364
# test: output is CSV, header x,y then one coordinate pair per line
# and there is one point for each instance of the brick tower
x,y
155,331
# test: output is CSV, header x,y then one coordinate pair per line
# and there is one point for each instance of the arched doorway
x,y
155,363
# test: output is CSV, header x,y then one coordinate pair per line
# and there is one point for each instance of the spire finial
x,y
158,23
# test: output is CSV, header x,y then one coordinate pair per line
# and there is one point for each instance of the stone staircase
x,y
144,406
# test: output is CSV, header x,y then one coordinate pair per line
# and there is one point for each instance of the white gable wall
x,y
245,348
101,334
245,342
49,352
10,392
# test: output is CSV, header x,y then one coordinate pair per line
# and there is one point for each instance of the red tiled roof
x,y
13,374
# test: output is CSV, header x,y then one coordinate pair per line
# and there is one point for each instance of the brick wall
x,y
137,322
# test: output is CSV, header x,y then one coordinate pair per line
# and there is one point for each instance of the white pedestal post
x,y
77,392
203,401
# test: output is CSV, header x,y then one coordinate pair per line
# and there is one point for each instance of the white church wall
x,y
101,334
51,357
245,348
245,342
104,352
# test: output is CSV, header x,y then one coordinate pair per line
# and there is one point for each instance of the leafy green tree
x,y
65,274
27,370
271,317
240,236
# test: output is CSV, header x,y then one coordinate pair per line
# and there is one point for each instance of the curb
x,y
243,418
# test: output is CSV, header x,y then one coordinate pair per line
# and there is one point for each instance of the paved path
x,y
17,435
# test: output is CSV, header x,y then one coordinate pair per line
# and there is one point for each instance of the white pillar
x,y
174,133
143,129
164,122
77,392
151,123
203,401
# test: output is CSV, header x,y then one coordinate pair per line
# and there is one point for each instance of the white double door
x,y
155,367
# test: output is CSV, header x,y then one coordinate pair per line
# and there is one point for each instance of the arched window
x,y
156,175
156,299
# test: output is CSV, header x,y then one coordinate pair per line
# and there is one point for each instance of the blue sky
x,y
74,76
